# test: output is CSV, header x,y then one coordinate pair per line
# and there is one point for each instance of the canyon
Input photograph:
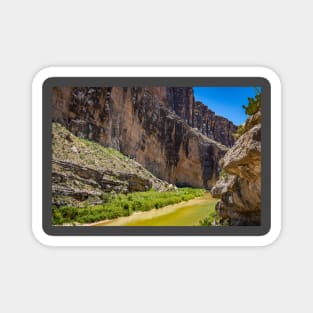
x,y
177,139
119,140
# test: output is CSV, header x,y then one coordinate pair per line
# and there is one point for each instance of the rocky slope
x,y
162,128
84,171
239,188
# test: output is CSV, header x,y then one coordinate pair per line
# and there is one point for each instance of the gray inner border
x,y
157,230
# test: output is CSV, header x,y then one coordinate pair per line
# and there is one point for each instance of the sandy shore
x,y
137,216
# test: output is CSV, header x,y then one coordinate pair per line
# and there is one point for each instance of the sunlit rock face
x,y
164,129
239,189
199,116
84,172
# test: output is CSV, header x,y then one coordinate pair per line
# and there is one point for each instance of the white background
x,y
36,34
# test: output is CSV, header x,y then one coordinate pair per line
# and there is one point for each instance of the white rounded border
x,y
276,142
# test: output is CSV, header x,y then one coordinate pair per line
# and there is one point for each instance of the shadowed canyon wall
x,y
199,116
164,129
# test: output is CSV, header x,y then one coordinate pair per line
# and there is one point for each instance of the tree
x,y
254,104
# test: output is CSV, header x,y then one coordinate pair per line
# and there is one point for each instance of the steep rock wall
x,y
239,189
145,124
197,115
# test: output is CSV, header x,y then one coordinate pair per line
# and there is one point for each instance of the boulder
x,y
239,190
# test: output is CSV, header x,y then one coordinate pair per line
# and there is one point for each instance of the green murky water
x,y
188,215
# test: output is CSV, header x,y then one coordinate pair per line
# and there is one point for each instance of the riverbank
x,y
118,205
185,213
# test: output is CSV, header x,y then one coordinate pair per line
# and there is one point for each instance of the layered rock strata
x,y
199,116
161,128
84,172
239,188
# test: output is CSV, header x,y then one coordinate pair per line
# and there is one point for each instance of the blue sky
x,y
226,101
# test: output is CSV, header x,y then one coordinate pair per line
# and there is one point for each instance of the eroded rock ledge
x,y
85,172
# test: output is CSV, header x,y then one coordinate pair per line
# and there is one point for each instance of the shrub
x,y
211,219
240,131
207,221
254,105
122,205
105,197
223,173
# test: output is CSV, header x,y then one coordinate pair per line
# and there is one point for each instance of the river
x,y
187,213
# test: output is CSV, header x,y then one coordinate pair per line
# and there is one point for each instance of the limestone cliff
x,y
199,116
239,188
164,129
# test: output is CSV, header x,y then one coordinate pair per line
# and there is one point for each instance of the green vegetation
x,y
212,219
65,145
240,131
83,152
186,214
122,205
222,173
254,105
